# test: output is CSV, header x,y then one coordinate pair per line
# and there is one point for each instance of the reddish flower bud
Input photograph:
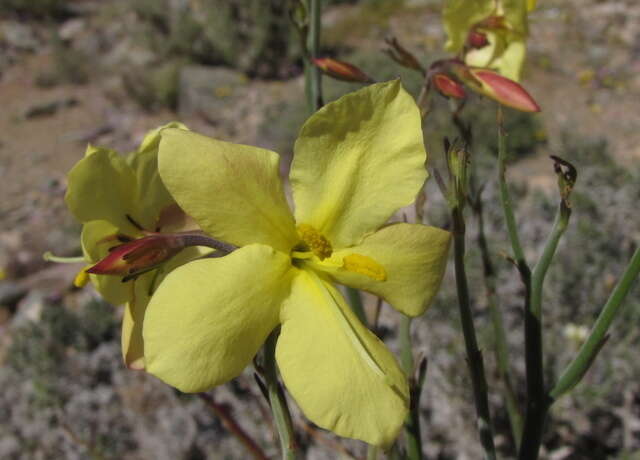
x,y
341,70
505,91
138,256
477,39
447,86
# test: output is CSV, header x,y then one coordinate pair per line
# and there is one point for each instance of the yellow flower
x,y
502,23
356,161
118,199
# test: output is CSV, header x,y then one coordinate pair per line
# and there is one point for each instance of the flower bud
x,y
505,91
138,256
402,56
341,70
447,86
477,39
493,85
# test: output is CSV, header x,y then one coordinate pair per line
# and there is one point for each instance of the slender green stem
x,y
313,77
505,197
541,268
277,400
587,353
406,353
474,355
502,350
412,423
538,400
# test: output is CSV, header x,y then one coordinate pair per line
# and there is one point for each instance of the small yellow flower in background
x,y
118,199
357,160
576,334
498,27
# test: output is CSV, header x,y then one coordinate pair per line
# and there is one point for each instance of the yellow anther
x,y
364,265
82,278
315,240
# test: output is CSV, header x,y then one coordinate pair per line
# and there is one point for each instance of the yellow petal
x,y
233,191
140,292
151,196
504,53
515,12
414,258
209,317
459,16
341,375
151,140
357,160
96,248
101,187
132,319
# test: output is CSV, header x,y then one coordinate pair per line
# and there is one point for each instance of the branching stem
x,y
277,400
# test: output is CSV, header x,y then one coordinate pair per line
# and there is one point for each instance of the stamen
x,y
315,240
364,265
82,278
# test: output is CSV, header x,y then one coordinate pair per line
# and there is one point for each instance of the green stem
x,y
372,453
587,353
505,197
474,355
277,400
538,400
541,268
313,77
502,351
406,354
412,422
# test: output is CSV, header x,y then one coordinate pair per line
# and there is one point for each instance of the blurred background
x,y
74,72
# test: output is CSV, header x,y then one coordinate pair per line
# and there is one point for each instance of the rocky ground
x,y
104,72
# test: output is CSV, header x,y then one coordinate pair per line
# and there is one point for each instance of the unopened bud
x,y
341,70
138,256
448,87
477,39
493,85
402,56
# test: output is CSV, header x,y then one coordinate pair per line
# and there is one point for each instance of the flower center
x,y
315,241
315,252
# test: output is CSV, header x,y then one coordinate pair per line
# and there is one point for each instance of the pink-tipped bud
x,y
477,39
448,87
138,256
505,91
341,70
